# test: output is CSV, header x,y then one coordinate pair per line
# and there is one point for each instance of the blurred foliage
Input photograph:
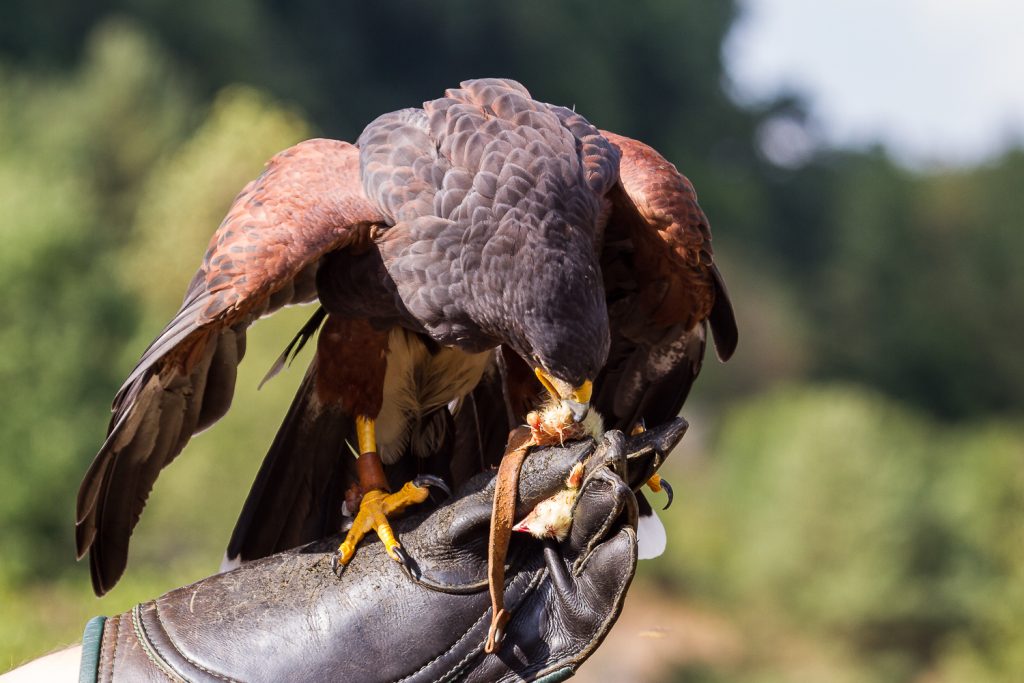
x,y
851,535
838,513
915,295
75,148
99,245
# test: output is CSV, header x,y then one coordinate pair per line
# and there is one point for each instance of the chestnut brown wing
x,y
663,290
307,202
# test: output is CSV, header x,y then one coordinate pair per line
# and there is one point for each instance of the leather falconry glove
x,y
288,617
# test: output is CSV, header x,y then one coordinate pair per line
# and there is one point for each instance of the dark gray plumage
x,y
498,209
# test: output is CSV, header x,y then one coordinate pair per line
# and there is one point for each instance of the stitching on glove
x,y
620,500
454,645
461,664
150,648
113,654
618,600
189,659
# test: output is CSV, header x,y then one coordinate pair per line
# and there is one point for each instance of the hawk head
x,y
559,321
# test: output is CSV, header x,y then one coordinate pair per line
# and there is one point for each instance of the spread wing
x,y
307,202
663,290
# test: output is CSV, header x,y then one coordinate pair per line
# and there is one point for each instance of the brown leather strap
x,y
502,518
371,472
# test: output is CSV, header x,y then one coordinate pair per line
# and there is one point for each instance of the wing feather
x,y
307,202
663,290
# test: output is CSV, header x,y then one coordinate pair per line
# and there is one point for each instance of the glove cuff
x,y
128,652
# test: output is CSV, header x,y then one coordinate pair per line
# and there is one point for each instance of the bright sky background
x,y
939,82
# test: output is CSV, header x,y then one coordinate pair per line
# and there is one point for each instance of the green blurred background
x,y
850,500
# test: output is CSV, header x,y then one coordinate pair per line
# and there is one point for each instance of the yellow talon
x,y
373,514
377,505
345,551
658,485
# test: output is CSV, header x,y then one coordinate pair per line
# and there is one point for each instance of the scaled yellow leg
x,y
377,504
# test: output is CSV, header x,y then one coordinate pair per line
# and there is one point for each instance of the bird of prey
x,y
483,220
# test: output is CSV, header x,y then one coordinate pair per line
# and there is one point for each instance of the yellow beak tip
x,y
560,390
582,393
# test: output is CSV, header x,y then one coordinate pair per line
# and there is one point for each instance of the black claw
x,y
668,491
337,566
429,480
408,564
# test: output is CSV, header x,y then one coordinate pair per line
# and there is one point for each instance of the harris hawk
x,y
483,220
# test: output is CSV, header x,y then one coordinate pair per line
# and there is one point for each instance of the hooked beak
x,y
576,399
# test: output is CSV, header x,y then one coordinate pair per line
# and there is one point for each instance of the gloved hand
x,y
289,618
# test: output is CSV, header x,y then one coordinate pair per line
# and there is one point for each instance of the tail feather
x,y
298,492
651,539
723,320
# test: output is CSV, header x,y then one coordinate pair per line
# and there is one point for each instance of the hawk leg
x,y
655,483
377,502
351,366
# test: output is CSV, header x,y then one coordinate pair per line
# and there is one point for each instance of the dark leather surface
x,y
123,653
288,617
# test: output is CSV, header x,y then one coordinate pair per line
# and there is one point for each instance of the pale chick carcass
x,y
553,424
552,518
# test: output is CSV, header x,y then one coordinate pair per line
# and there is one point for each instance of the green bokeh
x,y
851,494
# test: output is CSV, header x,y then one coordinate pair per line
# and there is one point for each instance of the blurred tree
x,y
979,499
75,149
48,32
915,295
841,514
109,197
346,63
86,294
